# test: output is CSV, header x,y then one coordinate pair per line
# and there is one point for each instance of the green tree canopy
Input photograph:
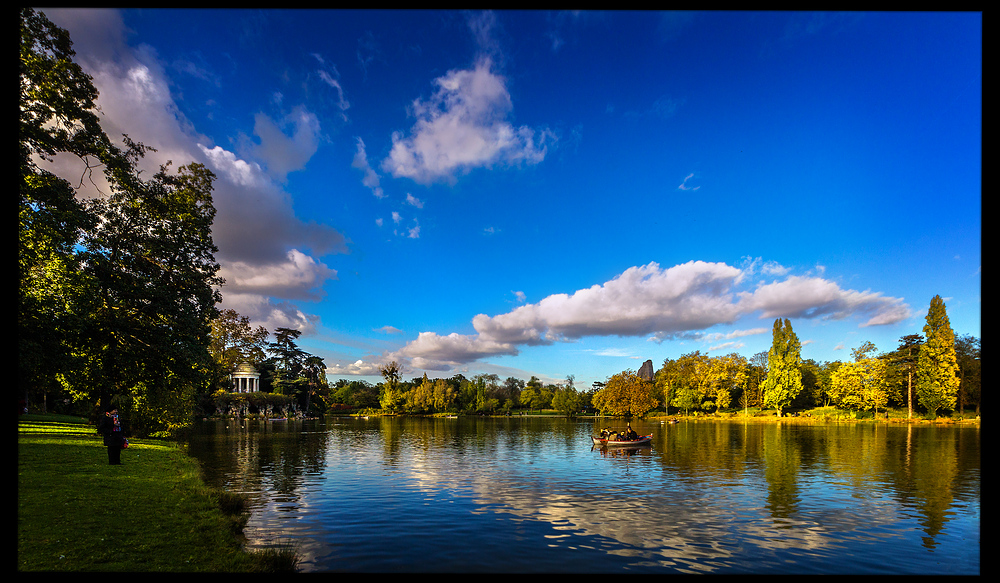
x,y
626,394
234,340
861,385
937,365
784,376
567,400
116,292
391,397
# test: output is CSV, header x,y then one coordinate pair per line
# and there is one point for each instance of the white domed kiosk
x,y
246,379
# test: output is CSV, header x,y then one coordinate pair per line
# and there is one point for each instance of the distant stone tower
x,y
646,372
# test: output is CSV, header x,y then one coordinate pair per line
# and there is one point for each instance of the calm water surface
x,y
530,495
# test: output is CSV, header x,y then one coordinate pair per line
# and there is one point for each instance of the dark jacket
x,y
114,433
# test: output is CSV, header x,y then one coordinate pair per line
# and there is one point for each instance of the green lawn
x,y
152,513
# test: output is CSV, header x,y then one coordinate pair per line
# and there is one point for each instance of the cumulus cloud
x,y
298,277
814,297
677,302
464,126
255,221
642,300
431,351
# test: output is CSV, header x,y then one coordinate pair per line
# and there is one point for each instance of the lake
x,y
532,495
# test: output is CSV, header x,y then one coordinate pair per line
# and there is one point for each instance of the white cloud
x,y
431,351
642,300
414,201
281,152
461,127
255,222
683,185
726,346
298,277
239,172
716,336
753,265
678,302
814,297
357,368
371,179
327,78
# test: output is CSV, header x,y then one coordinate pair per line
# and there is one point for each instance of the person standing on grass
x,y
114,435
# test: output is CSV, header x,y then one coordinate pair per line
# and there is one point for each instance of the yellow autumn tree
x,y
626,393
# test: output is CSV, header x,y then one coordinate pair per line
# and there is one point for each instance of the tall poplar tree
x,y
784,375
937,364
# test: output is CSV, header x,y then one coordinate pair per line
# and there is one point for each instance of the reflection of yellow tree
x,y
626,394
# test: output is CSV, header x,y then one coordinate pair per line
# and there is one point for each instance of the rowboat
x,y
604,442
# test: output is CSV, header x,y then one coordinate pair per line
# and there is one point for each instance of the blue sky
x,y
566,193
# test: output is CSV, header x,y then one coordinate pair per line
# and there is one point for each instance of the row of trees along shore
x,y
925,375
118,297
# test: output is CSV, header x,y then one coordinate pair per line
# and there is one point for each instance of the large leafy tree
x,y
937,364
534,395
115,293
726,375
626,393
316,382
861,385
784,375
152,268
567,400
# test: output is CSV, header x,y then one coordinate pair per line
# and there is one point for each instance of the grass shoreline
x,y
153,513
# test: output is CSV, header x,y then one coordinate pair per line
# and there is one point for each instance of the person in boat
x,y
630,434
